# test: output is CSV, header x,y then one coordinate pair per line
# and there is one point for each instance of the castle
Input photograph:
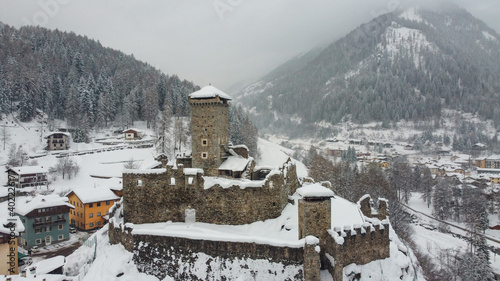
x,y
169,216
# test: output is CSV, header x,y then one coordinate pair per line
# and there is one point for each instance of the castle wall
x,y
362,245
191,259
151,197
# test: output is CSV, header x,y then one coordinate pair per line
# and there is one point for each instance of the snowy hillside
x,y
408,65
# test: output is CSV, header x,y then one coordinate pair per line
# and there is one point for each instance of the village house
x,y
27,176
10,229
91,207
45,219
492,162
132,134
58,141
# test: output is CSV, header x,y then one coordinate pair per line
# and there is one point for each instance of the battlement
x,y
359,244
169,192
372,209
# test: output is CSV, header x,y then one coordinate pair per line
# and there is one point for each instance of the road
x,y
491,239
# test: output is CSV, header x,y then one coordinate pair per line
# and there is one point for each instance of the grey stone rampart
x,y
160,197
359,245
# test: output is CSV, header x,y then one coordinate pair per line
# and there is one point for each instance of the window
x,y
81,215
98,223
91,215
204,155
98,214
91,205
107,202
38,241
204,142
60,237
91,224
77,214
107,212
38,230
98,204
82,225
60,227
48,219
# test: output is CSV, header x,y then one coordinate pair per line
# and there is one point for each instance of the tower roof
x,y
209,92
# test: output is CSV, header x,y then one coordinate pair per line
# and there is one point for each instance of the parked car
x,y
35,249
72,230
25,261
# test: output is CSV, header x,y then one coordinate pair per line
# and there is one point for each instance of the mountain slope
x,y
74,77
405,65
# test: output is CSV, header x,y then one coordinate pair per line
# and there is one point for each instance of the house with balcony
x,y
26,176
91,207
58,141
45,220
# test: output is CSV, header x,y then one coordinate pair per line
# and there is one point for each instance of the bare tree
x,y
4,135
66,166
131,164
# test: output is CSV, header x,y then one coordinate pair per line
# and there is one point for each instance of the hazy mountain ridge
x,y
407,65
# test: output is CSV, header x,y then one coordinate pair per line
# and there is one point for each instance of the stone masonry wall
x,y
191,259
314,217
362,245
151,197
209,124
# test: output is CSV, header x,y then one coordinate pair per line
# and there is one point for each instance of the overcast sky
x,y
223,42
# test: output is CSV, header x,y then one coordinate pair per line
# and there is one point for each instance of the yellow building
x,y
9,231
91,207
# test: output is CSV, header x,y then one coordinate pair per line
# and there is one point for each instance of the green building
x,y
45,219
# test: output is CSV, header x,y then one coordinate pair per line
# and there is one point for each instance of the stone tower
x,y
314,210
209,128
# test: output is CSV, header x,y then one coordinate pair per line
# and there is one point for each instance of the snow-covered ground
x,y
114,260
432,242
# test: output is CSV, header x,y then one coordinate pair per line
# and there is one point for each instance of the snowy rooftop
x,y
132,129
227,183
345,213
53,133
29,170
192,171
209,92
47,265
314,190
234,163
90,195
23,207
5,229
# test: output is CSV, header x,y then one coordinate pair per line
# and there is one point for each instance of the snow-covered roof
x,y
47,265
209,92
91,195
29,170
132,129
23,207
53,133
314,190
235,164
239,146
6,229
345,213
192,171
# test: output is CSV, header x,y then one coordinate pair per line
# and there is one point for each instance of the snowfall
x,y
103,169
